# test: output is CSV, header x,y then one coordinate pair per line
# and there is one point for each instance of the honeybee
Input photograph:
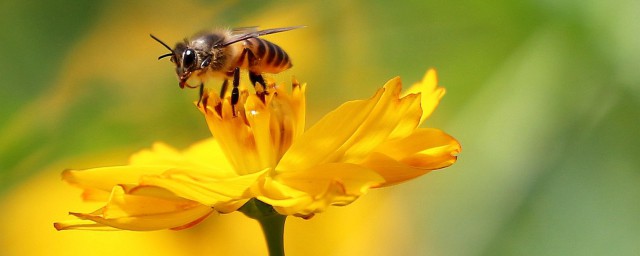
x,y
223,53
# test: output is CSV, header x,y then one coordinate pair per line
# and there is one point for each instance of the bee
x,y
223,53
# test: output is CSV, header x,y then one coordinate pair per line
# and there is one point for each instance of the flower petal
x,y
235,137
81,224
259,116
312,190
318,143
141,209
202,155
285,200
224,194
354,129
105,178
430,93
403,159
288,113
298,105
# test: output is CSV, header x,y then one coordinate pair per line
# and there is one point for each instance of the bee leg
x,y
258,81
201,93
235,92
257,78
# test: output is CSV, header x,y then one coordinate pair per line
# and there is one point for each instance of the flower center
x,y
255,133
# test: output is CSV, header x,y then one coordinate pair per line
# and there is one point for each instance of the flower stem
x,y
273,229
271,222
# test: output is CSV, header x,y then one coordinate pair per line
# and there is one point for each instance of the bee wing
x,y
252,34
244,30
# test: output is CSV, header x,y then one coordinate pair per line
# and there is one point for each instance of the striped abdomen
x,y
269,58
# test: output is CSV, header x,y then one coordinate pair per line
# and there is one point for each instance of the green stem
x,y
271,222
273,229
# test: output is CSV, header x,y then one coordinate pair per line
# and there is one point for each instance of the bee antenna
x,y
165,55
159,41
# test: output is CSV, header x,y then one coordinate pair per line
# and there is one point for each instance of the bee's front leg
x,y
201,92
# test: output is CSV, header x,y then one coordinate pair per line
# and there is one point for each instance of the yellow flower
x,y
262,151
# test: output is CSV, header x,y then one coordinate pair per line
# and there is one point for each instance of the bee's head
x,y
187,60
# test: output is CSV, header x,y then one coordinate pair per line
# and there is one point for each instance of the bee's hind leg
x,y
257,78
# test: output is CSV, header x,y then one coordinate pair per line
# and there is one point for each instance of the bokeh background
x,y
543,95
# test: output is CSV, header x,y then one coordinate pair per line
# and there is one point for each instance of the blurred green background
x,y
543,95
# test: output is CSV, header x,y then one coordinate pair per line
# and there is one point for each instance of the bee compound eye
x,y
188,58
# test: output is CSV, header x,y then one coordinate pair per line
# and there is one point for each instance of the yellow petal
x,y
97,195
354,129
224,194
391,117
403,159
81,224
284,199
287,118
312,190
105,178
298,103
230,206
202,155
142,200
141,209
259,119
235,138
291,105
352,179
429,91
320,141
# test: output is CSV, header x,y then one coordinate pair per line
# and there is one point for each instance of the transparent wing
x,y
251,34
244,30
